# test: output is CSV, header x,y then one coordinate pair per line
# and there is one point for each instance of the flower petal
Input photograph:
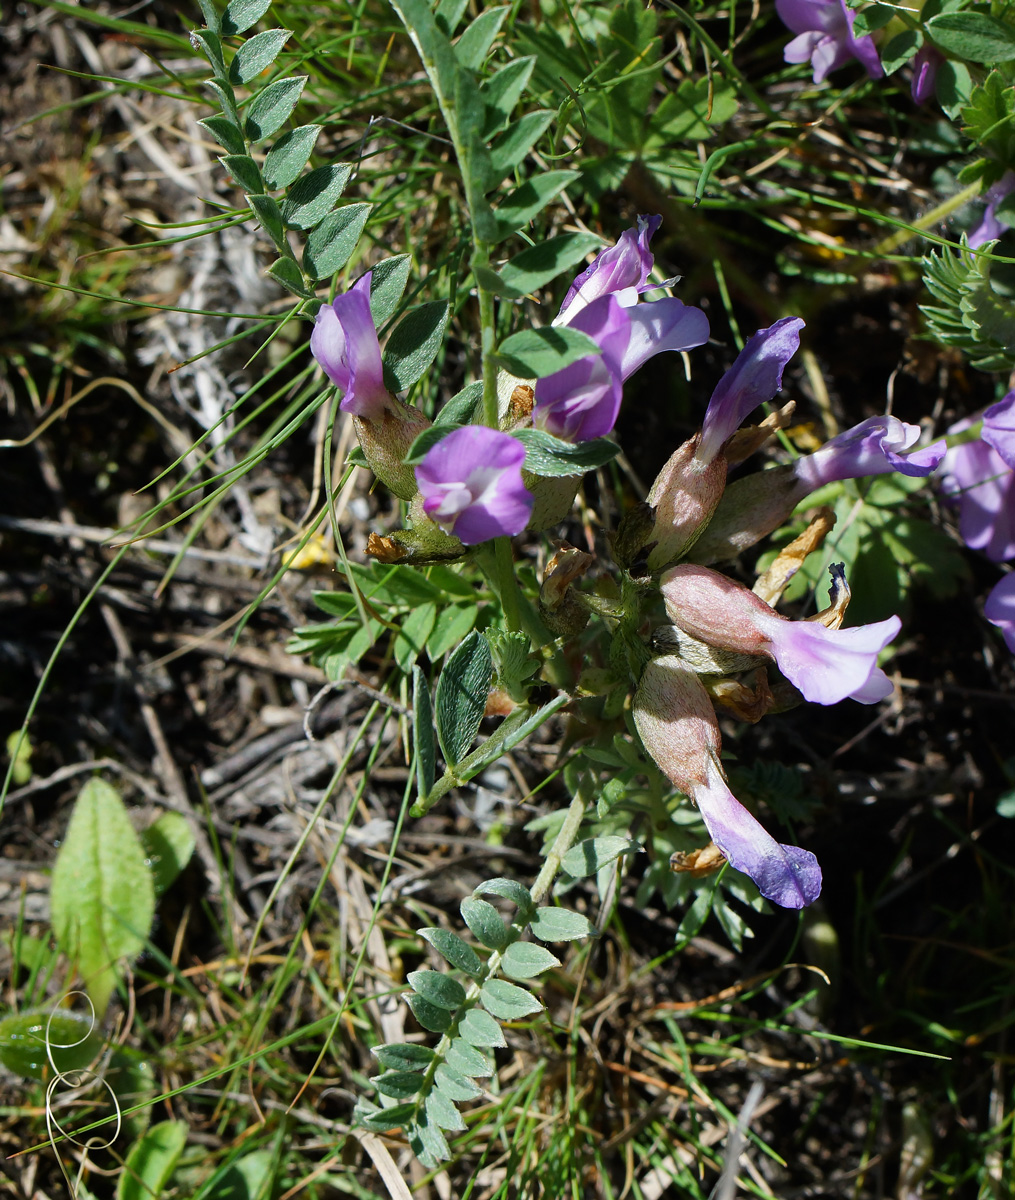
x,y
999,428
659,325
755,377
622,269
874,447
786,875
1000,608
344,342
827,665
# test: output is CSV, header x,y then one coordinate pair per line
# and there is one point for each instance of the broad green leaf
x,y
330,245
473,46
151,1161
954,86
389,1118
248,1178
510,889
502,91
900,49
271,108
478,1028
974,36
387,283
414,343
540,264
411,639
72,1040
429,1015
168,844
423,735
438,988
525,202
467,1060
211,15
455,1085
551,457
518,139
462,691
692,112
241,14
313,196
507,1002
288,274
403,1056
458,952
256,54
267,211
225,133
454,622
460,409
587,857
290,154
485,922
534,353
560,925
523,960
441,1111
102,897
511,731
399,1085
245,171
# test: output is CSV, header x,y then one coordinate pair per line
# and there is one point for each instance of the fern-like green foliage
x,y
424,1086
970,314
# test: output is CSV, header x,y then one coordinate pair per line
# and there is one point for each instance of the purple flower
x,y
825,665
998,429
990,228
345,343
977,478
678,728
1000,608
926,62
825,37
582,401
874,447
471,483
755,377
621,270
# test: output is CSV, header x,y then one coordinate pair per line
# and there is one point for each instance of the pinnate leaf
x,y
587,857
241,14
426,747
429,1015
313,196
455,1086
510,889
256,54
387,283
400,1085
330,245
414,343
467,1060
441,1111
560,925
552,457
534,353
403,1056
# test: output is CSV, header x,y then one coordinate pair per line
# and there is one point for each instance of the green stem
x,y
564,841
936,214
488,337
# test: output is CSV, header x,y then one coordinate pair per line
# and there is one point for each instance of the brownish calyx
x,y
385,549
746,703
521,403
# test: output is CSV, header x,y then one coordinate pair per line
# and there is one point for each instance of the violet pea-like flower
x,y
824,30
998,429
678,728
825,665
1000,608
621,270
471,484
977,479
582,401
344,342
926,62
874,447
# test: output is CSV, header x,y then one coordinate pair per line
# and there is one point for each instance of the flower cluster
x,y
471,485
978,476
825,38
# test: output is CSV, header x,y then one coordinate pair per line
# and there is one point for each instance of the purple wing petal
x,y
999,428
827,665
659,325
1000,609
